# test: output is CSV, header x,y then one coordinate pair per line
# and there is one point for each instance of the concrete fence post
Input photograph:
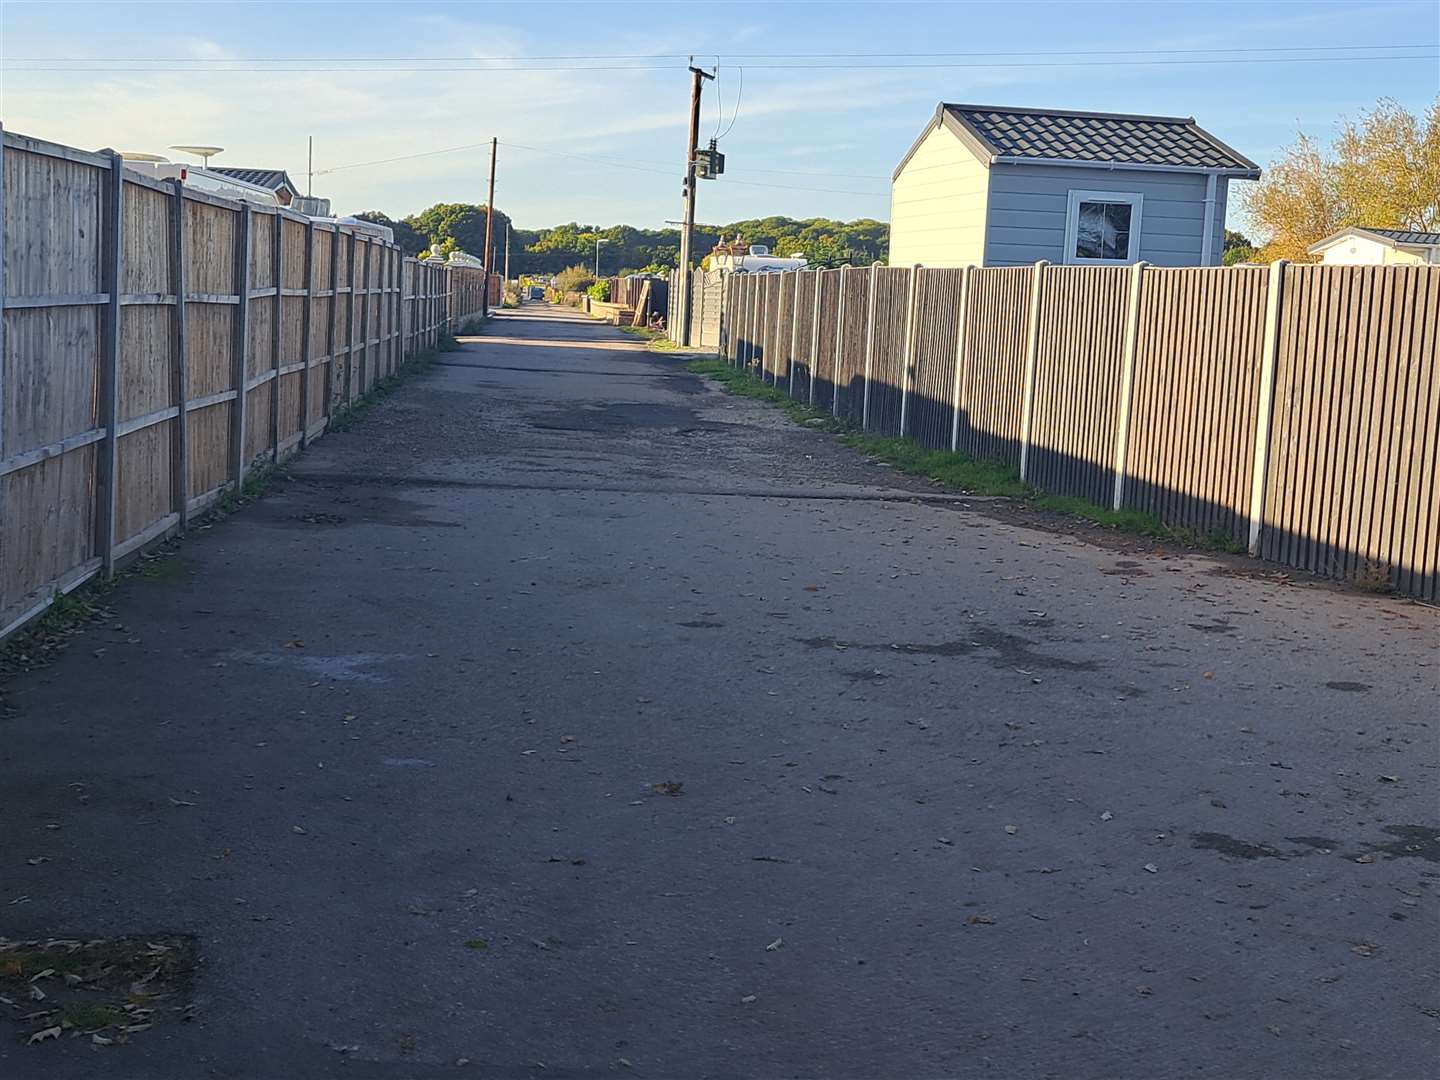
x,y
815,333
839,345
869,351
1032,353
960,399
1269,353
1127,380
908,351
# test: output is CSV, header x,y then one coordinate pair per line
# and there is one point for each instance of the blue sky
x,y
826,131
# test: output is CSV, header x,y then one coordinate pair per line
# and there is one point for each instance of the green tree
x,y
411,242
1384,173
458,227
1238,248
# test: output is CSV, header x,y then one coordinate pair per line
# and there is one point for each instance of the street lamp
x,y
598,241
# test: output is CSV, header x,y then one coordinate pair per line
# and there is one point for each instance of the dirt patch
x,y
106,990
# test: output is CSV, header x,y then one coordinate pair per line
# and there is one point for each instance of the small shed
x,y
991,185
277,180
1358,246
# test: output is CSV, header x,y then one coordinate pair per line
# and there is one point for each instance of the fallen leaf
x,y
37,860
980,920
297,829
1390,779
477,943
294,643
748,999
1012,829
43,1034
1144,991
775,945
668,787
1151,868
1106,815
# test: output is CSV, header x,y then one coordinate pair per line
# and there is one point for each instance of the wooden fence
x,y
156,341
1294,410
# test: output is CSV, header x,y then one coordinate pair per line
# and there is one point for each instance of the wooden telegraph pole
x,y
489,233
682,309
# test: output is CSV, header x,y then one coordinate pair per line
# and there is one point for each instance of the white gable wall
x,y
937,205
1362,251
1028,203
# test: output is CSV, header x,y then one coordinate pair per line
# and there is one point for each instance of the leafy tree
x,y
410,241
1238,248
575,278
1384,173
458,227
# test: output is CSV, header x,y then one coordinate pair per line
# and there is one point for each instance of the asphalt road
x,y
939,794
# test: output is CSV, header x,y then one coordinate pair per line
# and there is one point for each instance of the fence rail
x,y
156,341
1294,410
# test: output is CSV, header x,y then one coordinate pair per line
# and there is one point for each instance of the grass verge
x,y
974,476
657,338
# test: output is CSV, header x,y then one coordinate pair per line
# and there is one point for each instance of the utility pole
x,y
310,170
507,251
489,227
687,232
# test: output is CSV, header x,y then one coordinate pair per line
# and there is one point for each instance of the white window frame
x,y
1072,224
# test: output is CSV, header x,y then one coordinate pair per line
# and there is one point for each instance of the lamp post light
x,y
598,241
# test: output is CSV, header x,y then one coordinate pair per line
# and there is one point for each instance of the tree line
x,y
625,249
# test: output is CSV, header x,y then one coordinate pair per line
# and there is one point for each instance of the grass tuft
x,y
974,476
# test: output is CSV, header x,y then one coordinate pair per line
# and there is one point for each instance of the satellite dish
x,y
204,153
135,155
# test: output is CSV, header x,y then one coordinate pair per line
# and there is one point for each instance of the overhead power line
x,y
361,65
720,56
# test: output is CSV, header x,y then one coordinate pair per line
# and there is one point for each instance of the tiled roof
x,y
1405,236
266,178
1102,138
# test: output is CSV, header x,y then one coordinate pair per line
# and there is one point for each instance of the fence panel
x,y
887,349
1351,489
993,380
850,370
930,410
1077,380
155,342
1194,398
822,389
802,362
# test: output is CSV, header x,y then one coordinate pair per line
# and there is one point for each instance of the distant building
x,y
988,185
275,180
739,257
1358,246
